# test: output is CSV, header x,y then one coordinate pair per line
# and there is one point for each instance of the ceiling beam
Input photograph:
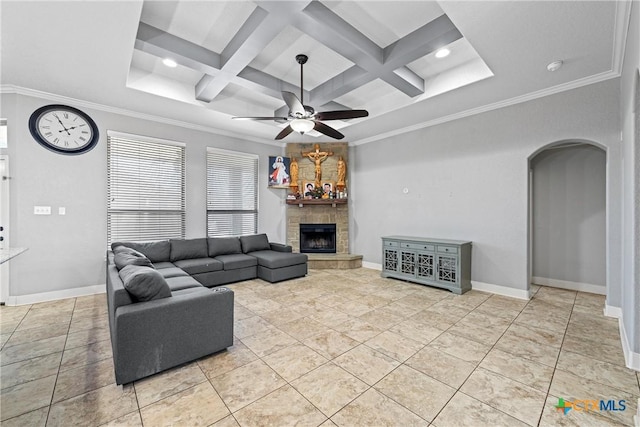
x,y
268,19
388,64
264,24
162,44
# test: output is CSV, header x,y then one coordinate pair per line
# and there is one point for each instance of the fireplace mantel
x,y
311,202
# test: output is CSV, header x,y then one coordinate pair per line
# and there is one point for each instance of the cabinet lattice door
x,y
447,269
408,263
391,259
425,265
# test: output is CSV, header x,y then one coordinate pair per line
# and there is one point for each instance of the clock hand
x,y
61,124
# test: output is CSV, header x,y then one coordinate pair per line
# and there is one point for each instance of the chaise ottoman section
x,y
274,266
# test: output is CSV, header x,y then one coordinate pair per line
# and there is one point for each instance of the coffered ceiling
x,y
235,57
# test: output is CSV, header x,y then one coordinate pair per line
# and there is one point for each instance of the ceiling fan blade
x,y
260,118
294,104
327,130
284,132
341,114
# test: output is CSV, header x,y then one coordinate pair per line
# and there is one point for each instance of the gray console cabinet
x,y
435,262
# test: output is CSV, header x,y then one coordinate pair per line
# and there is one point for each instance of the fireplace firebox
x,y
318,238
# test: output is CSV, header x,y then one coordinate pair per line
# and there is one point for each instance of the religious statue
x,y
294,173
318,157
342,171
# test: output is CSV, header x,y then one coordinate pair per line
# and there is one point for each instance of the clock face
x,y
63,129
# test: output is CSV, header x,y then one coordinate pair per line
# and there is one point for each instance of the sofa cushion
x,y
224,246
182,282
199,265
144,283
256,242
273,259
156,251
126,256
188,248
236,261
163,264
172,272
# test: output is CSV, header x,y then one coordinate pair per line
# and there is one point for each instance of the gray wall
x,y
68,251
569,215
468,179
630,123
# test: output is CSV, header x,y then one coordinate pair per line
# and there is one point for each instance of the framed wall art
x,y
279,172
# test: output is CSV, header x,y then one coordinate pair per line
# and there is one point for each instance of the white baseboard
x,y
55,295
372,265
631,358
574,286
501,290
612,311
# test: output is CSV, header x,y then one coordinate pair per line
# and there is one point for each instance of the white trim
x,y
478,286
56,295
234,153
632,359
596,78
5,216
372,265
13,89
566,284
612,311
143,138
621,29
501,290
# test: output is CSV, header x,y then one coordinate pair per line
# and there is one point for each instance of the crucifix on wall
x,y
317,157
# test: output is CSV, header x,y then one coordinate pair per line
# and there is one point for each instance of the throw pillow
x,y
256,242
156,251
144,283
124,256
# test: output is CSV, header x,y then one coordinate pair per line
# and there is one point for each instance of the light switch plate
x,y
62,210
42,210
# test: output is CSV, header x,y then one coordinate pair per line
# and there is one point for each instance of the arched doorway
x,y
567,211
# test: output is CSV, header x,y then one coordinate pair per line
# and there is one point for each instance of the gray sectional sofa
x,y
162,312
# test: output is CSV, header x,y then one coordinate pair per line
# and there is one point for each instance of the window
x,y
232,193
145,188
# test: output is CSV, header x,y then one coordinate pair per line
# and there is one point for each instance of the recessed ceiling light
x,y
169,62
554,66
442,53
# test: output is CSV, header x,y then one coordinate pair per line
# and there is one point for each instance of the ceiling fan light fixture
x,y
442,53
169,62
302,125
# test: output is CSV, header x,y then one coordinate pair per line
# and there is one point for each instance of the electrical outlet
x,y
62,210
42,210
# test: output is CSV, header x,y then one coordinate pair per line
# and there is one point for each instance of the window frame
x,y
237,156
115,137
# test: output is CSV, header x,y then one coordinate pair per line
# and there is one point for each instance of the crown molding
x,y
596,78
19,90
620,32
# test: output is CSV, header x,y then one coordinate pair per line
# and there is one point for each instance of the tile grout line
x,y
459,389
53,392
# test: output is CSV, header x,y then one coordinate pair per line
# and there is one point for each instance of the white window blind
x,y
145,189
232,193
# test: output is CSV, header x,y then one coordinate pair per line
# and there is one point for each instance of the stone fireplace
x,y
321,211
324,214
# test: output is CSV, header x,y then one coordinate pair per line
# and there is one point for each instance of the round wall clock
x,y
63,129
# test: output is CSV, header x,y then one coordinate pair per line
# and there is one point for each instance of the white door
x,y
4,225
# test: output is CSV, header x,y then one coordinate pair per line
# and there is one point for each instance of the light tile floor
x,y
340,347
